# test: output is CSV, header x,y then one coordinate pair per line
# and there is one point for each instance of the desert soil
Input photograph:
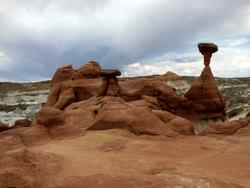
x,y
118,158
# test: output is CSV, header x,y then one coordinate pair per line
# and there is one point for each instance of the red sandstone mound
x,y
205,96
75,106
111,113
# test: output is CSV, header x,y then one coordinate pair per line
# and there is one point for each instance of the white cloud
x,y
183,64
5,61
228,62
38,35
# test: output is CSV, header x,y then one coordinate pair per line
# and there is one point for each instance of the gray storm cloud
x,y
38,35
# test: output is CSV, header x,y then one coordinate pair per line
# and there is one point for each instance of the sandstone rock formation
x,y
64,73
75,106
130,133
204,94
100,102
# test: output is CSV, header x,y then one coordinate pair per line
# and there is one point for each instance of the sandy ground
x,y
191,159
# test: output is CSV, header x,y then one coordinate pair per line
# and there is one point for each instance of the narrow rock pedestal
x,y
204,94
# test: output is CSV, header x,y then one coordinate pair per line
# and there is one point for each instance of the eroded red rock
x,y
90,70
137,120
63,73
204,94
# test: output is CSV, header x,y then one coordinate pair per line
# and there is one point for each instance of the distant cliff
x,y
21,100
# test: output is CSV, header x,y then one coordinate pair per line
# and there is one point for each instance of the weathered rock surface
x,y
27,169
205,96
116,158
90,70
63,73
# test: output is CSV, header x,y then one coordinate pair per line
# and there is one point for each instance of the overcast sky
x,y
136,36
